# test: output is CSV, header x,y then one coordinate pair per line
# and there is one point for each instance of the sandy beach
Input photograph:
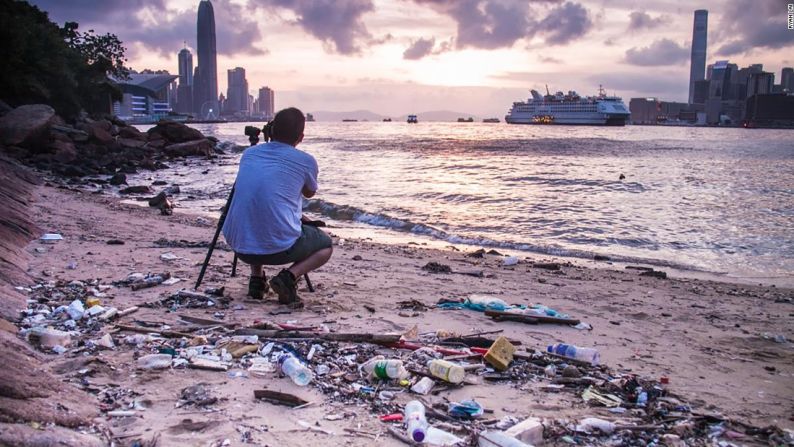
x,y
714,341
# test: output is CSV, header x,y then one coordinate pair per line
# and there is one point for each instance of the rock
x,y
26,125
99,133
118,179
546,265
571,371
195,147
64,151
654,274
131,133
158,200
131,143
174,132
141,189
159,183
4,108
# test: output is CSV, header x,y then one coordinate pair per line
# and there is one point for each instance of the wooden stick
x,y
379,339
280,398
143,330
206,322
530,319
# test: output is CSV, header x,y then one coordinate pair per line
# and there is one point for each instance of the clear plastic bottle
x,y
588,355
446,370
385,369
414,418
295,370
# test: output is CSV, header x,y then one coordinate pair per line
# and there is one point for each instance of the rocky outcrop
x,y
35,135
16,229
27,125
29,392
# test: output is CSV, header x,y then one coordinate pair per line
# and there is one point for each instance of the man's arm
x,y
308,193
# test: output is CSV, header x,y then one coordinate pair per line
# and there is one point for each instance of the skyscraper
x,y
698,61
787,79
205,82
184,93
266,102
237,92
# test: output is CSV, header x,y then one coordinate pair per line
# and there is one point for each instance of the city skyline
x,y
394,58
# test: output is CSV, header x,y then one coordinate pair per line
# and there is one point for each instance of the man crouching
x,y
265,223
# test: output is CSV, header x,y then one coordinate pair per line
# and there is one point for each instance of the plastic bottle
x,y
385,369
295,370
588,355
414,417
446,370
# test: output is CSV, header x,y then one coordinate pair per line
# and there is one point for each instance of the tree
x,y
62,67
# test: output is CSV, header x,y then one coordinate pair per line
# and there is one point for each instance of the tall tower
x,y
185,67
698,61
266,102
184,93
205,82
237,92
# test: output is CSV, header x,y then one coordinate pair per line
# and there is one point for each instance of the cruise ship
x,y
601,110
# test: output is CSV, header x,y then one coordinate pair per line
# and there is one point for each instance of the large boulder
x,y
27,125
64,151
174,132
131,133
197,147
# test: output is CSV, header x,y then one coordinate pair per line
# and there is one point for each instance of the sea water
x,y
717,200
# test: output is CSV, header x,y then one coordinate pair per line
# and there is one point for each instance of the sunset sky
x,y
475,56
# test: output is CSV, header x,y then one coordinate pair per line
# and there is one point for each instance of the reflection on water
x,y
720,200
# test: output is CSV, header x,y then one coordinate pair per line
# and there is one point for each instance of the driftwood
x,y
206,321
530,319
143,330
379,339
280,398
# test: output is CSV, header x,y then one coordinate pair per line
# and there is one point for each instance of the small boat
x,y
491,120
309,117
349,120
466,120
386,120
412,119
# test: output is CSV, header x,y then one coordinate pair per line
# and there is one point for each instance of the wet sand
x,y
714,340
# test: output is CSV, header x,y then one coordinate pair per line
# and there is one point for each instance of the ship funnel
x,y
536,96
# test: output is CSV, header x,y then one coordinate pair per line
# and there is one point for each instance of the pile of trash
x,y
399,377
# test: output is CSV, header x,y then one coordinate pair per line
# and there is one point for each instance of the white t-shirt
x,y
264,217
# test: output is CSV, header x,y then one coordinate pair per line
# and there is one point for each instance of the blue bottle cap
x,y
418,435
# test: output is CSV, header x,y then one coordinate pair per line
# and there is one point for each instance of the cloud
x,y
152,25
549,60
337,23
419,49
660,52
565,23
666,85
750,24
639,20
491,24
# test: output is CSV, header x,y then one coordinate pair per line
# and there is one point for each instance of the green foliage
x,y
63,67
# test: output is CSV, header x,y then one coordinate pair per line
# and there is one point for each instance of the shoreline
x,y
698,333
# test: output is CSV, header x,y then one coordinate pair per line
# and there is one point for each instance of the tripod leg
x,y
214,240
309,283
234,265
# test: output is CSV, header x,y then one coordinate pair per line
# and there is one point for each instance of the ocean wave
x,y
354,214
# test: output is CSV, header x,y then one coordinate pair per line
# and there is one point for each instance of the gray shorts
x,y
311,240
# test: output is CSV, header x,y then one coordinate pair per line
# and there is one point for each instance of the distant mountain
x,y
366,115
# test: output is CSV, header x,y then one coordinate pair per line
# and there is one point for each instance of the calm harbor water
x,y
714,200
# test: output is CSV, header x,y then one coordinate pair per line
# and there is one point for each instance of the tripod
x,y
253,138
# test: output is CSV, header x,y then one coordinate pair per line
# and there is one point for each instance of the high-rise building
x,y
760,83
205,81
267,102
787,79
723,76
698,60
184,93
237,92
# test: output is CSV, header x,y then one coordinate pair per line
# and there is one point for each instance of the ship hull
x,y
570,121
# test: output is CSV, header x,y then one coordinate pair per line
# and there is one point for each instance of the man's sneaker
x,y
284,285
257,287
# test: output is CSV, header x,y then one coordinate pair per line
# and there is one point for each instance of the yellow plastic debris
x,y
500,354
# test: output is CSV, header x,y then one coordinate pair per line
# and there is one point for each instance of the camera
x,y
252,131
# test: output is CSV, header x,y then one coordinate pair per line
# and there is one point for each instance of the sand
x,y
713,340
